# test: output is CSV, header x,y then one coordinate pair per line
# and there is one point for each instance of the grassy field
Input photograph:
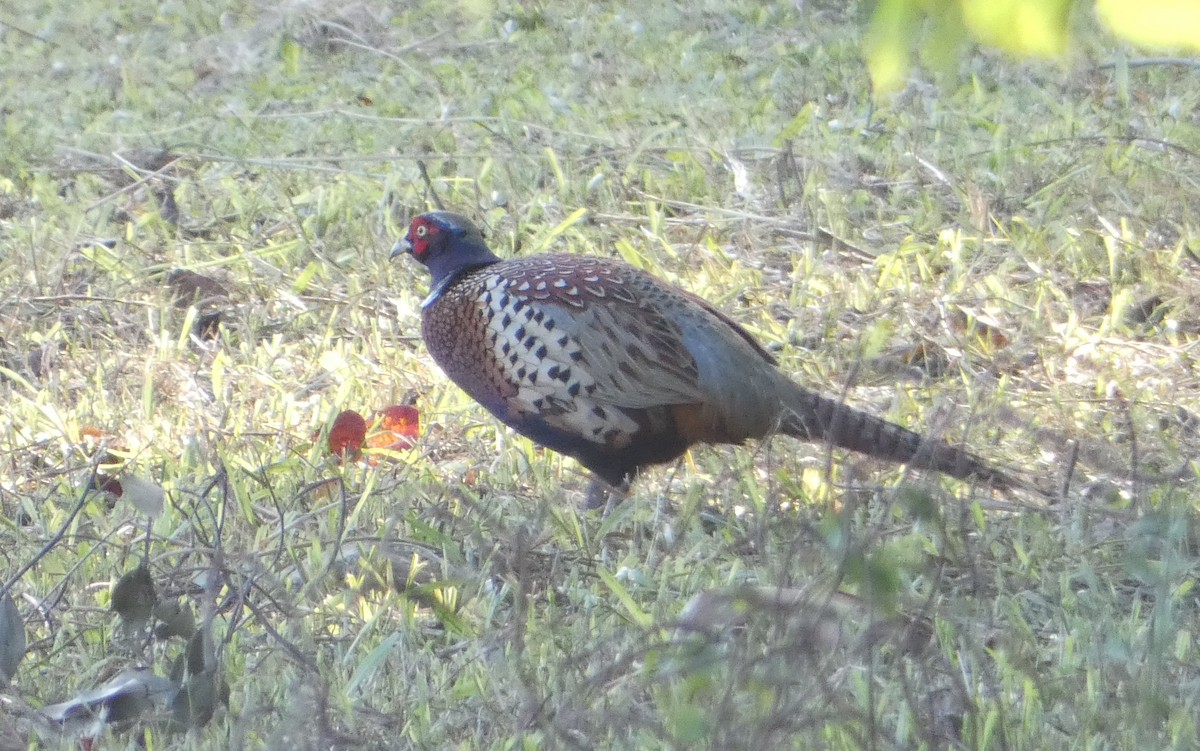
x,y
1008,257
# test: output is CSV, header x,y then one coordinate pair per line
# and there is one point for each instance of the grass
x,y
1006,257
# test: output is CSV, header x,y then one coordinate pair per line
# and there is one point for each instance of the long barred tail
x,y
812,417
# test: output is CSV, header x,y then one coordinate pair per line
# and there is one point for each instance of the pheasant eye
x,y
422,230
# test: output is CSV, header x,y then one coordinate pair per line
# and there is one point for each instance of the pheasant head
x,y
445,243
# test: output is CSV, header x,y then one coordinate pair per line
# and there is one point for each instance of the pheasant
x,y
603,362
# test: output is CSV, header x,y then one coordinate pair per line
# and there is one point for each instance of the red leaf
x,y
399,426
347,434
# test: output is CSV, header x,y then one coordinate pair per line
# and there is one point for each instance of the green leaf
x,y
300,285
289,55
1153,23
1023,27
796,126
12,638
546,241
689,724
636,614
133,598
888,40
197,699
373,664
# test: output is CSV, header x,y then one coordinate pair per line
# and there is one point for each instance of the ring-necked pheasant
x,y
598,360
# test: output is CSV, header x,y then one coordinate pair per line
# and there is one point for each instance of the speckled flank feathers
x,y
603,362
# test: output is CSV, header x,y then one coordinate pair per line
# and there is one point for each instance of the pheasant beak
x,y
401,247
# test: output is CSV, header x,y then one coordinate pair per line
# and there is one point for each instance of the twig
x,y
437,201
1070,471
1189,62
26,32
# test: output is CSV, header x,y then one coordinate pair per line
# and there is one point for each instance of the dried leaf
x,y
399,427
189,288
207,326
347,434
1148,311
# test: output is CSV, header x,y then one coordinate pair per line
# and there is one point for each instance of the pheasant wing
x,y
584,344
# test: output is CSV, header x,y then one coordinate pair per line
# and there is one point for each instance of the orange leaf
x,y
92,432
399,426
347,434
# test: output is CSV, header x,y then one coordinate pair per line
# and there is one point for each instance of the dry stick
x,y
1148,61
1070,472
437,201
216,568
1132,140
1134,459
31,35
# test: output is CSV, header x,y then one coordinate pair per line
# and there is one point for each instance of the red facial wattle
x,y
418,237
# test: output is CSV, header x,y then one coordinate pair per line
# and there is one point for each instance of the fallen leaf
x,y
347,434
189,288
399,427
989,330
